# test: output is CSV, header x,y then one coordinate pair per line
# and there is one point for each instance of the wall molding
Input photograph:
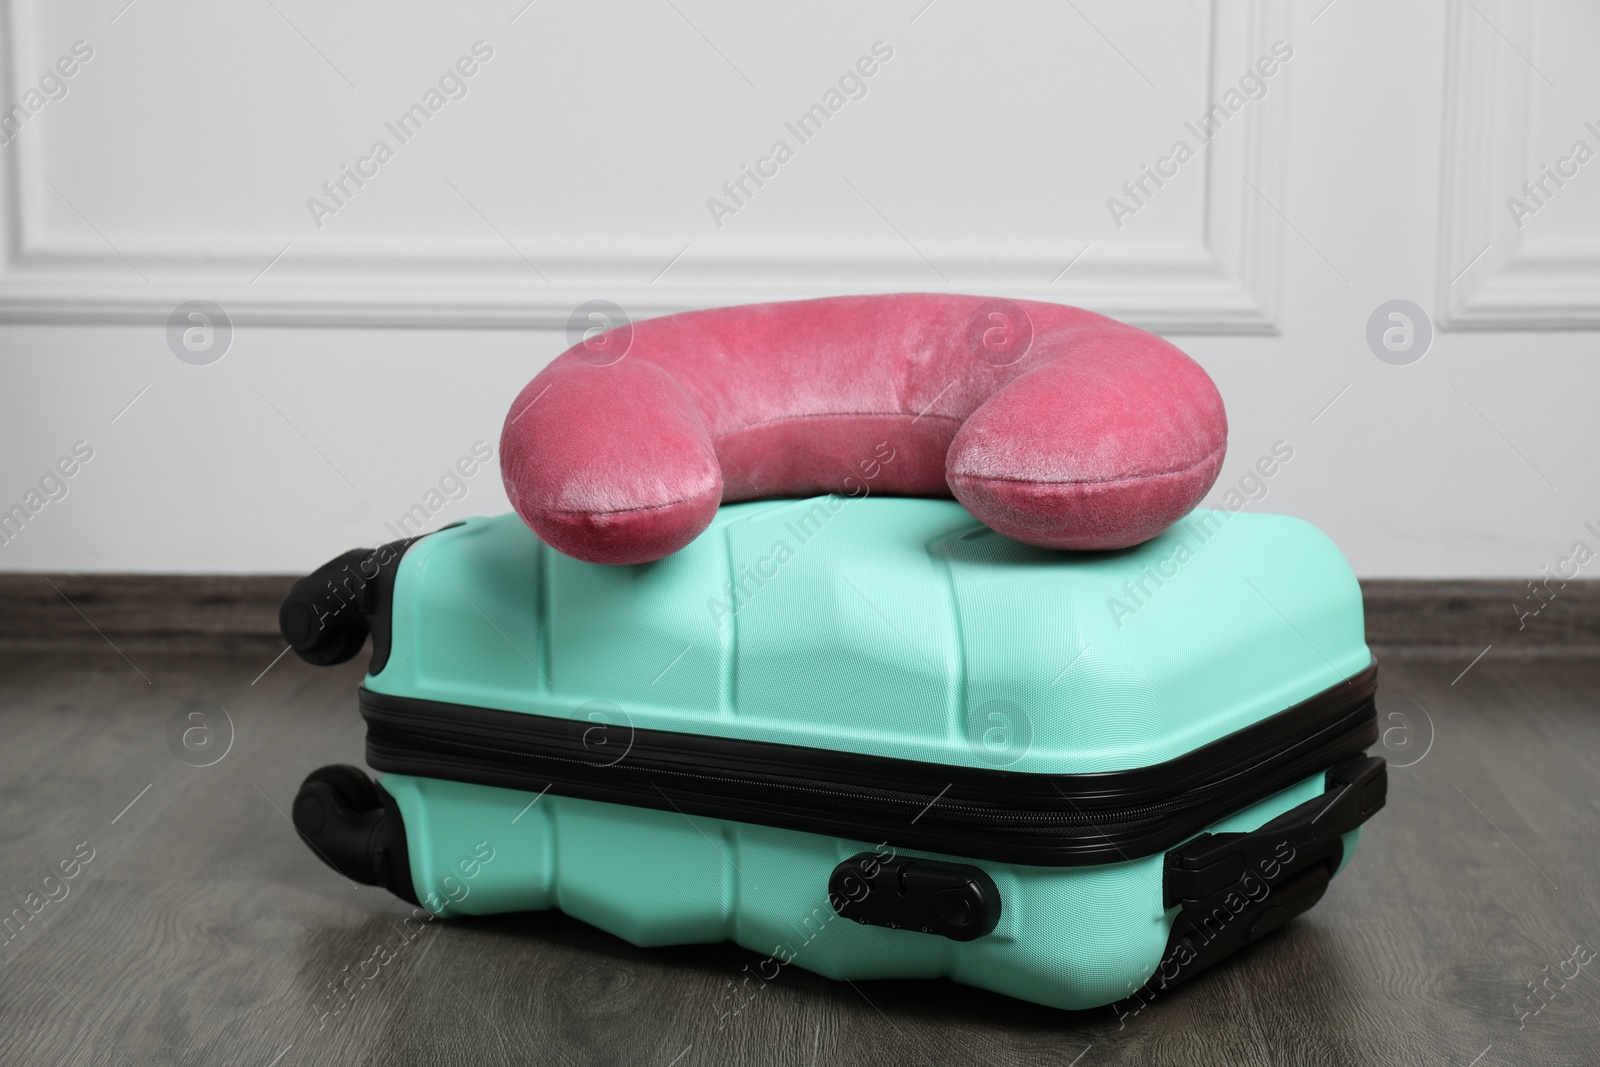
x,y
1487,279
1229,284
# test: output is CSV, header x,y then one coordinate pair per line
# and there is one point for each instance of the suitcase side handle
x,y
1304,836
1235,888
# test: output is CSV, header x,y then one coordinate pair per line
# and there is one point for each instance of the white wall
x,y
377,348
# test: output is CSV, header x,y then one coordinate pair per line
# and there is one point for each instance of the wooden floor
x,y
203,932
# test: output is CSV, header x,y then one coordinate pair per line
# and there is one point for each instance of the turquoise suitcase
x,y
867,737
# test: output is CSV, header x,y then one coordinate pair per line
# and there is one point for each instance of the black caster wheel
x,y
355,827
321,618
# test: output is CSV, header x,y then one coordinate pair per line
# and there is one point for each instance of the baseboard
x,y
1422,618
239,613
147,612
224,613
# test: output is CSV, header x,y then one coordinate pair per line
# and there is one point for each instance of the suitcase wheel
x,y
359,793
355,827
321,617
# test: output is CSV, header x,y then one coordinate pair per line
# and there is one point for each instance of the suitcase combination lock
x,y
954,900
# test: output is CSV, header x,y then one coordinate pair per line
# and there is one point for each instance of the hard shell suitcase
x,y
867,737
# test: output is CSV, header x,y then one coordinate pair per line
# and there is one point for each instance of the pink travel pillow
x,y
1055,426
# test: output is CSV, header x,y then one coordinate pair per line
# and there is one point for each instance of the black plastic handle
x,y
1301,837
1233,889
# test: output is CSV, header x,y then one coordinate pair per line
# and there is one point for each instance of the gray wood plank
x,y
203,932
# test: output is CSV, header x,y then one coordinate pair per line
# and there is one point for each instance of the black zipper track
x,y
1006,816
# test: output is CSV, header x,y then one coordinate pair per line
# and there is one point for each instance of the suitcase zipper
x,y
1001,815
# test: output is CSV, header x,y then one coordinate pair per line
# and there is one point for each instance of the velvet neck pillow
x,y
1055,426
